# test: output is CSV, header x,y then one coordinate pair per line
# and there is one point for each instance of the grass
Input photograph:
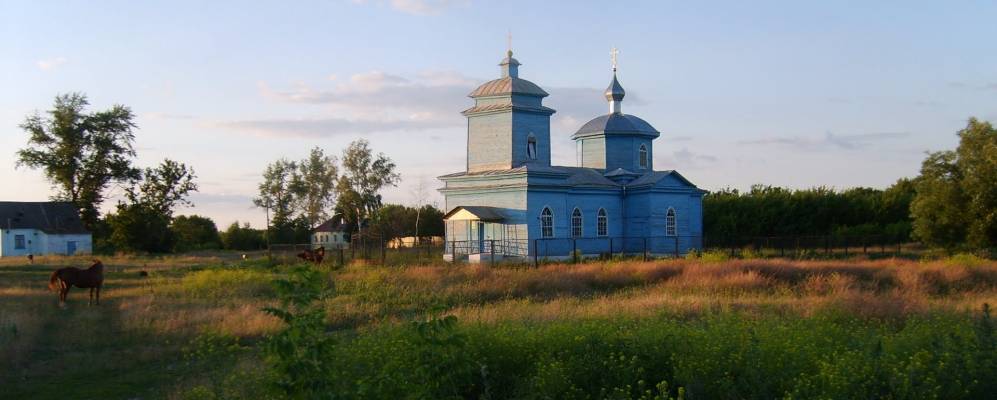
x,y
714,327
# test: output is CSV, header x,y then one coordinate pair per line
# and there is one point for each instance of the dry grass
x,y
147,319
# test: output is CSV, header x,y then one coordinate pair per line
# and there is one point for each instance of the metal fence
x,y
373,249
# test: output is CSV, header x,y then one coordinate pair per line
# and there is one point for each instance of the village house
x,y
331,235
42,228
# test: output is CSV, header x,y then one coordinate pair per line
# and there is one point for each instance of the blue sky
x,y
786,93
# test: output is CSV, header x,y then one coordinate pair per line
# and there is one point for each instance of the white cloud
x,y
829,140
51,64
418,7
377,101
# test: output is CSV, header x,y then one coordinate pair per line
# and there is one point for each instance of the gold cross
x,y
509,38
614,52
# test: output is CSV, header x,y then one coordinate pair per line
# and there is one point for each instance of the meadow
x,y
194,327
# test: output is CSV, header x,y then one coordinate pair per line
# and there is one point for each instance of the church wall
x,y
539,126
488,142
592,152
622,152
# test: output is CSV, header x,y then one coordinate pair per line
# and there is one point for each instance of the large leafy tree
x,y
956,201
314,186
81,153
364,174
194,232
142,223
277,195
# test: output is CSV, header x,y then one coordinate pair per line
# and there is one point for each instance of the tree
x,y
142,223
194,232
363,176
275,194
956,200
164,187
314,186
81,153
242,237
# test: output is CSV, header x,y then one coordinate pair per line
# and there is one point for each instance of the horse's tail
x,y
53,282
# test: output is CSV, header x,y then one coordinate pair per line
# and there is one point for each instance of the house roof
x,y
330,226
475,213
53,217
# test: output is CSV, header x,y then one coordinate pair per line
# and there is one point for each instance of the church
x,y
510,202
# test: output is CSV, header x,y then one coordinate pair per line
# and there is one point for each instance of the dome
x,y
617,123
615,91
508,85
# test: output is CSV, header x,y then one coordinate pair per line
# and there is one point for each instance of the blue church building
x,y
510,202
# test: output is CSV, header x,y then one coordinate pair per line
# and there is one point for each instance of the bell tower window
x,y
642,156
531,147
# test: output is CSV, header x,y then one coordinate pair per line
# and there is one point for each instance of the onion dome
x,y
509,83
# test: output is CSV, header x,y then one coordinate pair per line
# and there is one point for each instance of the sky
x,y
786,93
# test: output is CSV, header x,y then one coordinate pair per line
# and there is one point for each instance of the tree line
x,y
951,204
87,154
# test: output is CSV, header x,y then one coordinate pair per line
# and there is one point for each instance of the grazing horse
x,y
315,256
64,278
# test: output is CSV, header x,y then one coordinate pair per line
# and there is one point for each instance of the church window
x,y
531,147
19,242
642,156
576,223
546,223
670,222
602,223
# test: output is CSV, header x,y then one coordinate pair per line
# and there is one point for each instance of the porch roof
x,y
474,213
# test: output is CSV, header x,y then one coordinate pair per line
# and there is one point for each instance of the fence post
x,y
574,251
341,261
645,249
846,246
383,252
493,251
536,249
865,245
782,248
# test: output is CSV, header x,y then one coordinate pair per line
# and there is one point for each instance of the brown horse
x,y
64,278
315,256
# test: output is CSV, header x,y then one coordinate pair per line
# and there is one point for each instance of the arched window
x,y
602,223
531,147
576,223
670,222
546,223
642,156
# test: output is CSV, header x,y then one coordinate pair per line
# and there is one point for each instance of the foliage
x,y
162,188
395,220
956,203
138,228
301,355
81,153
142,224
276,195
242,237
194,232
364,174
314,186
774,211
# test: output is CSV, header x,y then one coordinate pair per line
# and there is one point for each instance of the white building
x,y
330,235
42,228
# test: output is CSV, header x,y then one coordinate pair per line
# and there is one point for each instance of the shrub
x,y
227,283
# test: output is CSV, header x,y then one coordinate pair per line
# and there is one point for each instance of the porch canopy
x,y
474,213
